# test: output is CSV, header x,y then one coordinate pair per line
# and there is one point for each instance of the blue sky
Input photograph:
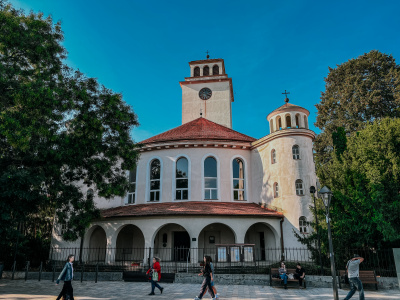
x,y
142,49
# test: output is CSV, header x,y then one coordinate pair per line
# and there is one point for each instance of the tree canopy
x,y
356,92
59,130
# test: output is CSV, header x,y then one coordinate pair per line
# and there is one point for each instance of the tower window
x,y
299,187
210,179
196,72
276,190
297,121
303,225
155,180
215,70
273,156
296,152
206,71
271,124
238,179
132,187
182,181
288,121
278,123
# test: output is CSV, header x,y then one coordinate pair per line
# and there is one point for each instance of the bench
x,y
365,277
273,271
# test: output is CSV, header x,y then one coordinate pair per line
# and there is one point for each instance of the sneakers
x,y
151,294
161,290
216,296
196,298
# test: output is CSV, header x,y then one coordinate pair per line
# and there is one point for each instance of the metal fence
x,y
227,259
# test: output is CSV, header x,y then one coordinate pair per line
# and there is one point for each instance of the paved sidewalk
x,y
106,290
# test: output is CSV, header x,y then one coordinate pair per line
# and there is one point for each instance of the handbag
x,y
154,276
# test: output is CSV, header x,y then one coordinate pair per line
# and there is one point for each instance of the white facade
x,y
292,162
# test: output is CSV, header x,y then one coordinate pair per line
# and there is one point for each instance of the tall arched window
x,y
196,72
297,121
296,152
278,123
215,70
273,156
276,190
299,187
155,180
210,179
206,71
303,225
132,187
238,179
182,182
288,121
305,122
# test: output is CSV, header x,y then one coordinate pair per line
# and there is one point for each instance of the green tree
x,y
356,92
59,131
365,180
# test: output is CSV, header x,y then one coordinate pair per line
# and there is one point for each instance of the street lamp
x,y
326,196
312,191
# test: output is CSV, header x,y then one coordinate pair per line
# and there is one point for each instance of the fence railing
x,y
227,259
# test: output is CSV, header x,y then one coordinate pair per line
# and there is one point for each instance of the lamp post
x,y
326,195
312,191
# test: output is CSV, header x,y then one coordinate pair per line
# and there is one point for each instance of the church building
x,y
204,188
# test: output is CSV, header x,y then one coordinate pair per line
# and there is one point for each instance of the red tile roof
x,y
191,208
200,129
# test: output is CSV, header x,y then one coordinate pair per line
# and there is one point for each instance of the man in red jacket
x,y
155,268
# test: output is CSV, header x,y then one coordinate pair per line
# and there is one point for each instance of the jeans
x,y
154,284
67,289
206,284
355,284
283,277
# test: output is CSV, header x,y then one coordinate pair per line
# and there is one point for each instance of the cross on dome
x,y
286,98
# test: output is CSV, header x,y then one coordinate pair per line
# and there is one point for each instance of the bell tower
x,y
207,92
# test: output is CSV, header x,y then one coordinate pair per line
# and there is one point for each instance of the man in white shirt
x,y
353,271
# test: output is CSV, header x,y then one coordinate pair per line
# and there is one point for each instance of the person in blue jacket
x,y
67,274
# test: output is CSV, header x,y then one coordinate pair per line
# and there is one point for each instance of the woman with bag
x,y
208,278
66,275
155,275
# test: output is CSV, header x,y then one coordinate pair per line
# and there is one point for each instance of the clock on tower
x,y
208,89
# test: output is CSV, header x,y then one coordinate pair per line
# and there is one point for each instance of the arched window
x,y
215,70
296,152
196,72
303,225
305,122
210,179
297,121
288,121
238,179
299,187
271,125
155,180
206,71
273,156
132,187
278,123
182,182
276,190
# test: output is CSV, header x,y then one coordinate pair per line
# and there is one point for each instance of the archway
x,y
172,243
261,235
97,245
212,235
130,244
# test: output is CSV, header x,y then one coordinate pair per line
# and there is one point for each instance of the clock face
x,y
205,93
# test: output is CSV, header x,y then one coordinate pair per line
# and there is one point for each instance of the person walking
x,y
208,277
155,275
213,276
67,274
282,274
353,272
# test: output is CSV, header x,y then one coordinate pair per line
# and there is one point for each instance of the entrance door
x,y
262,245
181,246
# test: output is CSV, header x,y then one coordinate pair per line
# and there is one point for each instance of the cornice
x,y
283,133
